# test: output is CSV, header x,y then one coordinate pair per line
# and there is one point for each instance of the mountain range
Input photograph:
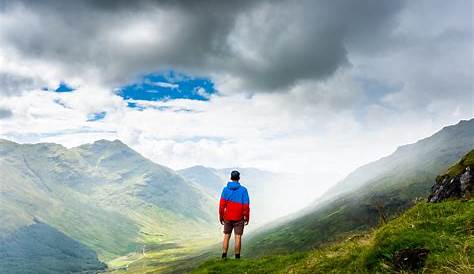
x,y
109,203
72,209
104,197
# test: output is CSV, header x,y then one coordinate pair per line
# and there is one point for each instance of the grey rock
x,y
460,186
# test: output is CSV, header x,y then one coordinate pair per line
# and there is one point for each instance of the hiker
x,y
234,212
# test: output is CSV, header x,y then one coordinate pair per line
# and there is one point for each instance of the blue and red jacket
x,y
234,203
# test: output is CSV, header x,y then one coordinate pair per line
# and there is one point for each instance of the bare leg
x,y
238,239
225,244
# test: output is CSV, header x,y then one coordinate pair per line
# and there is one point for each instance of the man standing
x,y
234,212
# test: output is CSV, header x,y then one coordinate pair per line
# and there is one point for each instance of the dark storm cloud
x,y
267,45
311,39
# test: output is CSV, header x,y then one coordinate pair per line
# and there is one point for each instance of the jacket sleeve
x,y
246,205
222,205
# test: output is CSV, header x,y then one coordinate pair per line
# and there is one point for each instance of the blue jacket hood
x,y
233,185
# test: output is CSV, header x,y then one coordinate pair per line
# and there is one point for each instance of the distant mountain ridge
x,y
208,178
381,188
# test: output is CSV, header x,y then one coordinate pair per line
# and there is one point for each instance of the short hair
x,y
235,175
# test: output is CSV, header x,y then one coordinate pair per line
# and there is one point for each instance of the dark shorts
x,y
238,227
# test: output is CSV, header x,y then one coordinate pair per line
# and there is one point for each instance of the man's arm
x,y
246,206
222,206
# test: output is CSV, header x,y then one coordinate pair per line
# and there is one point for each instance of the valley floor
x,y
446,229
164,258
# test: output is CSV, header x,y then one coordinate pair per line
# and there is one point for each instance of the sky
x,y
310,87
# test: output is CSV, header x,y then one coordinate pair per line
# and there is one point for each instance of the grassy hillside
x,y
458,168
370,195
103,195
47,251
445,229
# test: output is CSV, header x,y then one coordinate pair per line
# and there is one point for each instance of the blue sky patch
x,y
166,86
64,87
96,116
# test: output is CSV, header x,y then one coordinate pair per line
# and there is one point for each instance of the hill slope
x,y
208,178
373,192
445,229
440,233
104,195
47,251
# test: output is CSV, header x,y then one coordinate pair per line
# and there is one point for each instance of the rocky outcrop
x,y
459,186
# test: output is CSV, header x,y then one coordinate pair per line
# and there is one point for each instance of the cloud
x,y
428,62
14,84
267,45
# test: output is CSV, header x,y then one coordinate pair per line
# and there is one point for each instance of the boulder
x,y
459,186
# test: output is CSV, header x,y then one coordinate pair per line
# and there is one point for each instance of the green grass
x,y
177,257
467,160
271,264
446,229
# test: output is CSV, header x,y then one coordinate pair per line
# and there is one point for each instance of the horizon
x,y
242,167
297,181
